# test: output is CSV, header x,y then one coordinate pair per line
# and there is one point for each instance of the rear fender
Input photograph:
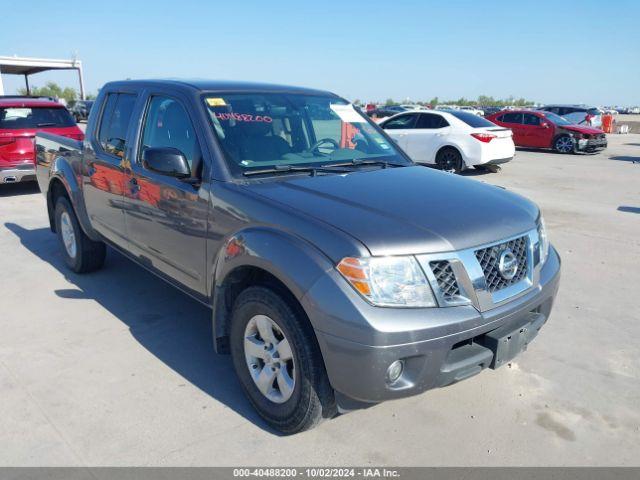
x,y
62,172
294,262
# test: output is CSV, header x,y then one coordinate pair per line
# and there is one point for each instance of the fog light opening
x,y
394,372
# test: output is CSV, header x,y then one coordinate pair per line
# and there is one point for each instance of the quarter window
x,y
168,125
115,122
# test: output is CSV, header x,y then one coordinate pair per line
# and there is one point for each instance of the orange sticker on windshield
x,y
216,102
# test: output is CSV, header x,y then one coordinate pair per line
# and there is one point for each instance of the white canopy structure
x,y
29,66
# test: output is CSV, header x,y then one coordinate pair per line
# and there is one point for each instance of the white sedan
x,y
452,140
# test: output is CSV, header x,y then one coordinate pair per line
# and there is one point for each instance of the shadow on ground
x,y
626,158
169,324
20,188
624,208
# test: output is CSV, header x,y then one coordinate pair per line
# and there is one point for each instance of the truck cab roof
x,y
215,85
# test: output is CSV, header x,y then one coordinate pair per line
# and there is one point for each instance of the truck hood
x,y
581,129
408,210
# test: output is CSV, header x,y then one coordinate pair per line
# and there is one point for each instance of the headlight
x,y
388,281
543,241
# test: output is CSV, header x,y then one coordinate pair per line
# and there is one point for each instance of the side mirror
x,y
544,125
166,161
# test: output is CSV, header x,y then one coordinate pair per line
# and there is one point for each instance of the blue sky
x,y
548,51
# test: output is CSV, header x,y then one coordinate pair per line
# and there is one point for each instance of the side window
x,y
531,119
115,121
167,124
512,118
431,121
400,122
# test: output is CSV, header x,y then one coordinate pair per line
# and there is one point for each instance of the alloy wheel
x,y
449,162
564,145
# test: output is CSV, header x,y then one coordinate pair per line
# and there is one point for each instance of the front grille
x,y
489,259
446,279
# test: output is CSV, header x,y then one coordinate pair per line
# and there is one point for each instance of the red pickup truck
x,y
20,120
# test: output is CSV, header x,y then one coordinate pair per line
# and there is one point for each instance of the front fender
x,y
295,262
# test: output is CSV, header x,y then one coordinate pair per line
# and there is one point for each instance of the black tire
x,y
89,255
449,160
561,144
312,398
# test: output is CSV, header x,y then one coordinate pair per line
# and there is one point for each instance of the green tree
x,y
52,89
434,101
389,102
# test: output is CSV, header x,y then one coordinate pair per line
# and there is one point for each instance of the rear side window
x,y
115,122
400,122
511,118
471,119
431,121
13,118
168,125
531,119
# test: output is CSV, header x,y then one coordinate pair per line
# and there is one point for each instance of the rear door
x,y
106,159
166,217
399,127
426,136
513,120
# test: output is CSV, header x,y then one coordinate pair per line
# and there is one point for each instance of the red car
x,y
20,119
538,129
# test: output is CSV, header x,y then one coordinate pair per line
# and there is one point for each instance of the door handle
x,y
133,185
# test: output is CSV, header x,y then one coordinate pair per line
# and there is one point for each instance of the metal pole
x,y
26,82
81,82
1,85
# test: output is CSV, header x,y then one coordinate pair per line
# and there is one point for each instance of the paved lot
x,y
116,368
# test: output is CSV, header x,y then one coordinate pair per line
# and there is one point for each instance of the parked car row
x,y
450,139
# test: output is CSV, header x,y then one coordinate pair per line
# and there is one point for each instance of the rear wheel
x,y
278,362
563,144
449,160
81,254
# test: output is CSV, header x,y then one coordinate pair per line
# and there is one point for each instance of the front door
x,y
166,217
536,131
513,120
106,162
399,127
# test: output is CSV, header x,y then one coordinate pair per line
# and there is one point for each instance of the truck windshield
x,y
35,117
260,131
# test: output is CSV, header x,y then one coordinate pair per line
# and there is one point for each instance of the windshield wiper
x,y
47,124
356,162
294,169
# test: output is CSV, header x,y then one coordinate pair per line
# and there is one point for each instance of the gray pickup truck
x,y
339,274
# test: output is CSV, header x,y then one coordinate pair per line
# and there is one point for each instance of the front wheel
x,y
81,254
449,160
563,144
278,362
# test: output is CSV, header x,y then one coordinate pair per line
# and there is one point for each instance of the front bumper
x,y
23,173
438,346
590,145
